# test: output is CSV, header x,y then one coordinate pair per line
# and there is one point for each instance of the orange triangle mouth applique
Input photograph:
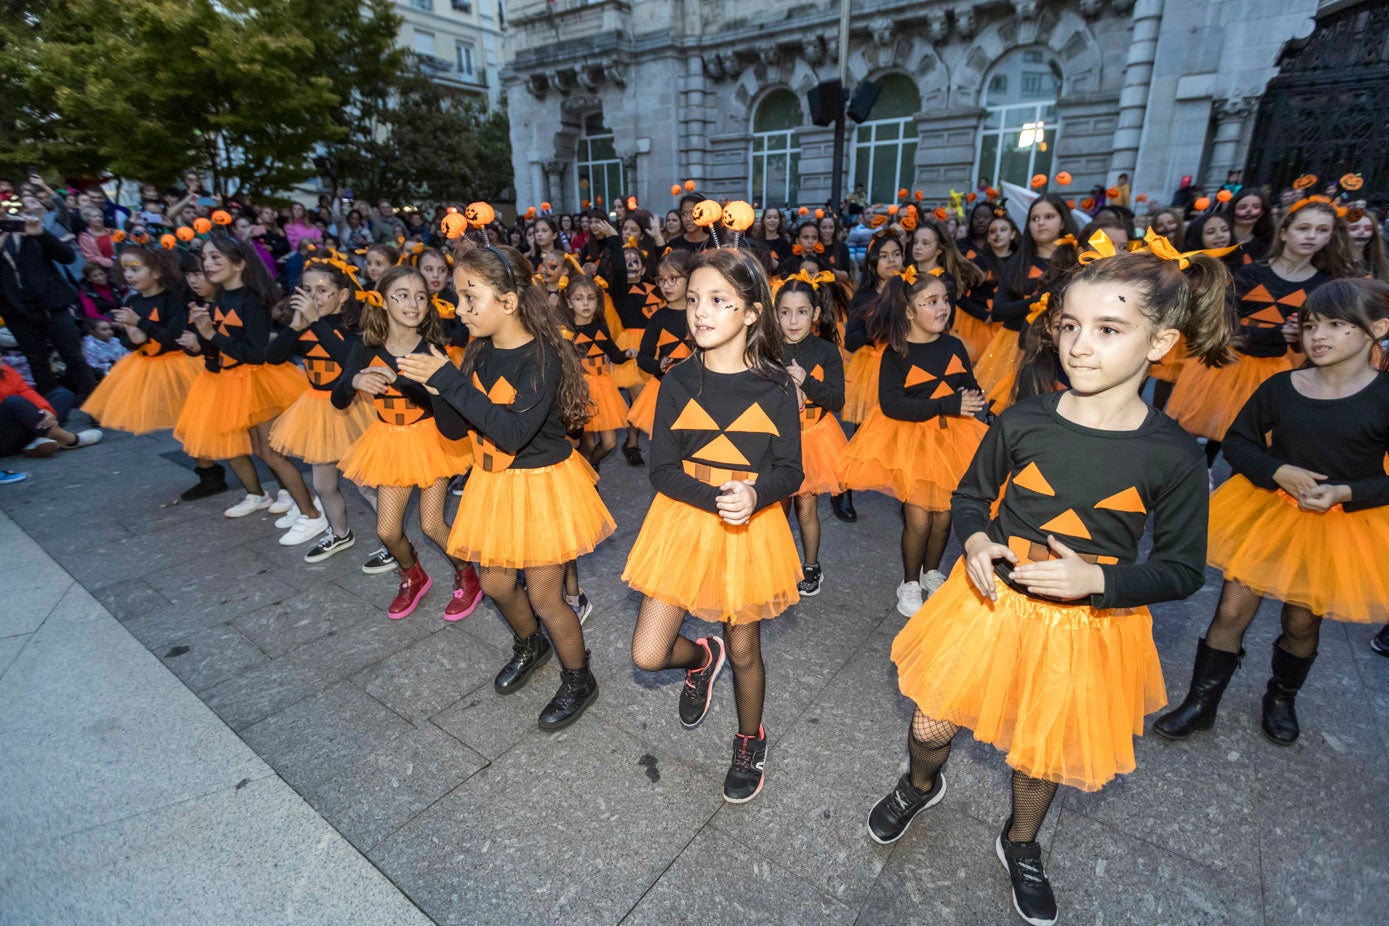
x,y
721,450
1128,500
1031,478
942,391
1068,523
1269,315
753,421
916,376
694,418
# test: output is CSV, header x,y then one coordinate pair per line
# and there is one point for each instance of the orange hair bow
x,y
1039,307
824,276
1100,248
445,308
936,272
631,245
600,283
1163,248
1065,240
908,275
371,297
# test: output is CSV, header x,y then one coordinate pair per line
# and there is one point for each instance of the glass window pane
x,y
898,99
988,157
882,182
907,177
779,111
603,147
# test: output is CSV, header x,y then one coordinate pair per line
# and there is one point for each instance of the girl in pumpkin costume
x,y
598,353
666,340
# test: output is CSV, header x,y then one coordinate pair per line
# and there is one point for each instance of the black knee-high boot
x,y
1279,715
1213,671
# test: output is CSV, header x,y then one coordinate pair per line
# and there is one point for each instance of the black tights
x,y
808,519
657,644
1236,610
542,599
391,505
595,445
1212,451
925,534
928,744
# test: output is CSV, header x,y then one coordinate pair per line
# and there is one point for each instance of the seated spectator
x,y
100,346
33,423
301,228
96,295
96,244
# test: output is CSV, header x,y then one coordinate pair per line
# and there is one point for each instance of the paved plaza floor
x,y
424,792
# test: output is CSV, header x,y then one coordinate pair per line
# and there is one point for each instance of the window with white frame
x,y
885,146
1018,138
424,42
465,58
423,5
775,175
597,168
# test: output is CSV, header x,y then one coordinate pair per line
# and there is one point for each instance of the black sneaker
x,y
891,816
328,546
810,585
1380,641
694,697
581,605
1032,896
456,485
380,561
633,455
744,779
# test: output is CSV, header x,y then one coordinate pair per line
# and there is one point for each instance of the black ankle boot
x,y
212,480
843,506
577,690
1280,717
527,655
1208,680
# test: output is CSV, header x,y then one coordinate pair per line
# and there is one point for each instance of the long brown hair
x,y
893,304
504,270
744,273
967,275
1337,258
351,313
376,324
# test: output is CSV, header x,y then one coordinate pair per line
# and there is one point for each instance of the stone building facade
x,y
627,97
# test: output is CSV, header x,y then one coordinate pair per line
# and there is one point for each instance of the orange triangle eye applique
x,y
665,338
1128,500
680,351
942,391
753,421
1031,478
1259,293
817,372
693,418
501,393
1295,298
154,314
721,450
955,365
1068,523
916,376
1034,272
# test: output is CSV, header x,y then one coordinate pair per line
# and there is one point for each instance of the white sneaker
x,y
248,505
281,504
908,598
304,530
286,520
85,439
42,447
932,581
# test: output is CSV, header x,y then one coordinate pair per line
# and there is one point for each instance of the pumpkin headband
x,y
1323,200
800,251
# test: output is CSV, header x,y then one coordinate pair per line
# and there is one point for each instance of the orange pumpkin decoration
x,y
202,226
585,204
902,193
222,217
878,221
908,222
1352,182
631,204
168,242
919,196
738,215
675,189
544,207
891,210
1039,181
706,213
1070,204
454,225
941,214
1112,192
1087,203
479,214
600,200
184,233
1305,182
1064,178
803,211
1141,198
991,193
689,187
530,213
819,213
1202,204
971,196
118,236
1224,196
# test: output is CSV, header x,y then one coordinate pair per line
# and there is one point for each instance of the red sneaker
x,y
414,582
467,593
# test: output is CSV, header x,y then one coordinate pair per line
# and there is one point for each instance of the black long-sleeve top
x,y
1265,301
596,347
728,423
1093,490
861,308
927,382
326,346
405,401
163,317
1011,306
1343,439
636,303
667,335
824,376
509,403
241,328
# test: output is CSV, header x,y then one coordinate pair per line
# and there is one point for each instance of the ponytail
x,y
1211,321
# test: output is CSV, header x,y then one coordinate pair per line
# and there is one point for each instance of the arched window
x,y
1020,130
597,169
776,154
885,146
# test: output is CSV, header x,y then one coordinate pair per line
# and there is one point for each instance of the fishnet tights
x,y
657,644
541,601
391,504
924,538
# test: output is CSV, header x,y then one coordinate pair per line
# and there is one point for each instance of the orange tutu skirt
x,y
1330,563
1170,366
222,408
314,431
917,462
1206,399
605,402
143,393
643,413
518,518
691,558
405,455
628,374
1001,395
1062,689
999,360
974,333
822,448
861,382
455,353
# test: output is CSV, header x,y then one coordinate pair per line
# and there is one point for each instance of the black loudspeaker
x,y
826,102
865,96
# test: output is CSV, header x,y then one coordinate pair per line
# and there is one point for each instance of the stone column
x,y
554,185
1138,75
1230,118
629,174
531,196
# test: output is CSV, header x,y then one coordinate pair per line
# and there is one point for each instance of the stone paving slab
x,y
392,732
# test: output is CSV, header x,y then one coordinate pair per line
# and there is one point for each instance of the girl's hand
x,y
200,318
125,316
667,363
1324,497
1292,329
1064,579
305,311
420,367
980,553
601,228
738,502
1297,481
189,342
971,402
631,354
372,381
797,372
